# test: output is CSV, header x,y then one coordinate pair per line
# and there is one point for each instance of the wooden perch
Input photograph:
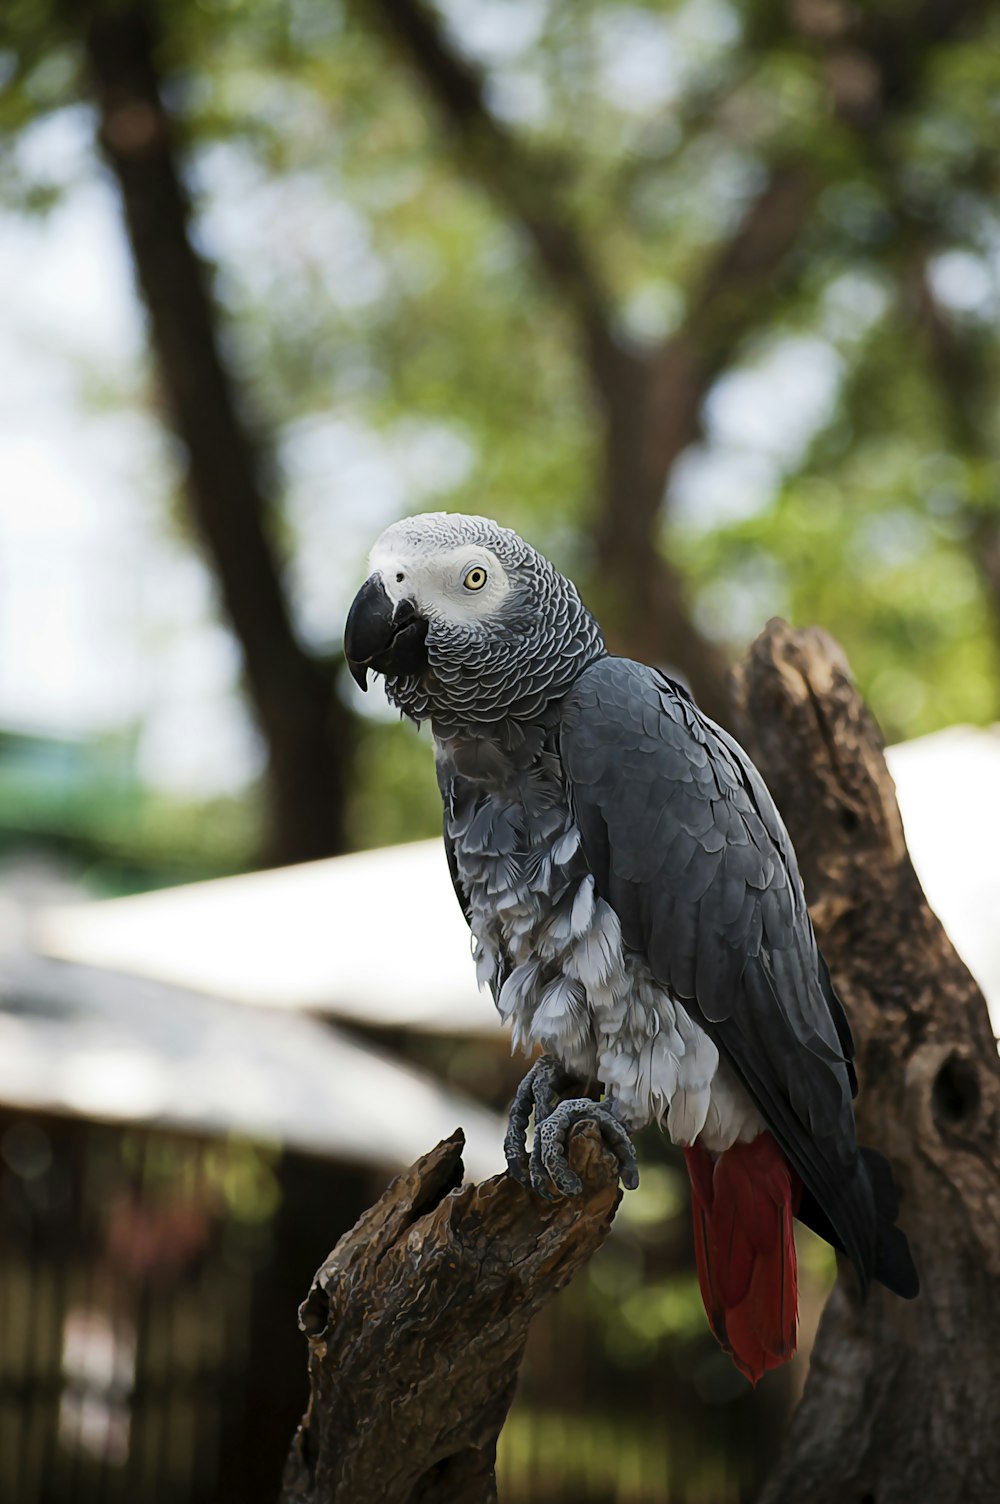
x,y
901,1399
417,1323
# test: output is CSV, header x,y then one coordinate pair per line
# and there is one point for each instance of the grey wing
x,y
451,793
456,878
460,808
686,845
774,825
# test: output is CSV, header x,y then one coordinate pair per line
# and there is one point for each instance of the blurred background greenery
x,y
702,296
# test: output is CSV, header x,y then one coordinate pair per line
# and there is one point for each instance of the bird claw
x,y
547,1169
538,1093
549,1166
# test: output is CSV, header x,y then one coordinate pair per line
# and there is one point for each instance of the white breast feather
x,y
577,992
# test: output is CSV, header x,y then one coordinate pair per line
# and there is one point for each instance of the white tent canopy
x,y
375,938
378,937
81,1041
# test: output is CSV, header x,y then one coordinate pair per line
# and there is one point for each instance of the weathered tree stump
x,y
417,1321
417,1324
902,1397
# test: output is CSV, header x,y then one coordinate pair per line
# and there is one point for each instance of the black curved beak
x,y
380,636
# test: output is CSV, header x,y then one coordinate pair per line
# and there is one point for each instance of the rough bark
x,y
304,726
901,1397
417,1323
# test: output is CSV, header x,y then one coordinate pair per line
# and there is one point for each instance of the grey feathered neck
x,y
512,667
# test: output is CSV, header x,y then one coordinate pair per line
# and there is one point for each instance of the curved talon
x,y
538,1093
549,1166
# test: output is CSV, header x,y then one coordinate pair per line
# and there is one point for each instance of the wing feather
x,y
686,845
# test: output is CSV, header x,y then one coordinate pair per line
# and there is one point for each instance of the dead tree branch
x,y
901,1396
417,1323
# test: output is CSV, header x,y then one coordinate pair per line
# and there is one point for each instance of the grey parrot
x,y
636,909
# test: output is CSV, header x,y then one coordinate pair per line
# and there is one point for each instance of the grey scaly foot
x,y
549,1165
538,1093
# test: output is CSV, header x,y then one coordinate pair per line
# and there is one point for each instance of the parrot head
x,y
466,622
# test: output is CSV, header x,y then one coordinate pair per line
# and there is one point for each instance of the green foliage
x,y
396,797
458,329
888,578
371,268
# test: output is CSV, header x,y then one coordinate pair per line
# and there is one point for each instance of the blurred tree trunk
x,y
304,725
652,407
647,406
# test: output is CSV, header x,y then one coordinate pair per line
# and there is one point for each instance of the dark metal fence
x,y
148,1285
149,1350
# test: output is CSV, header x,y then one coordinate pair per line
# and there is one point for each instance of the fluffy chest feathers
x,y
551,949
548,947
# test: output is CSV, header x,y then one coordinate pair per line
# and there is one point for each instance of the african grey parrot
x,y
636,909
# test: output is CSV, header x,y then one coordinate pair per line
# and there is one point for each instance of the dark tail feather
x,y
743,1203
894,1265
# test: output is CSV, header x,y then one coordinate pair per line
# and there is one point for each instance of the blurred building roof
x,y
82,1041
375,938
378,937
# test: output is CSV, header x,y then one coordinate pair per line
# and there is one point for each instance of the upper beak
x,y
373,625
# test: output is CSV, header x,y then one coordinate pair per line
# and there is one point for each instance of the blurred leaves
x,y
370,277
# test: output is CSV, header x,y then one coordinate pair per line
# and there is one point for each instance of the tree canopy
x,y
702,297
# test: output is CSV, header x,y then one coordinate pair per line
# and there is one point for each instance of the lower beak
x,y
381,636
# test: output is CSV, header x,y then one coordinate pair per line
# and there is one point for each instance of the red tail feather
x,y
743,1202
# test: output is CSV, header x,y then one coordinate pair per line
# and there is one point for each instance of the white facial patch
x,y
461,584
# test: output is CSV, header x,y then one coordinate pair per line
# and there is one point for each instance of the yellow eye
x,y
475,579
